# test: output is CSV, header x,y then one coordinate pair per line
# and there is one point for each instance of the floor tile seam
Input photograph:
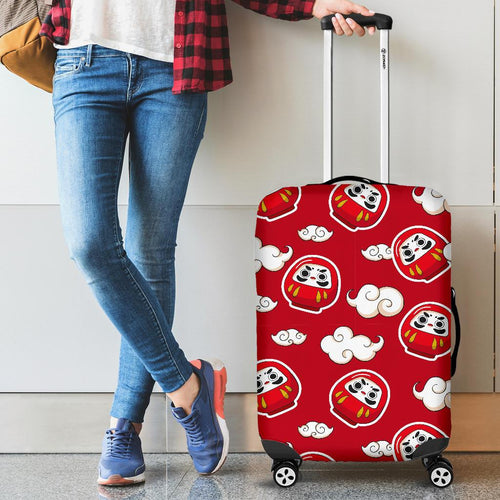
x,y
181,479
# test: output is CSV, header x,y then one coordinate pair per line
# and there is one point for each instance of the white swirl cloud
x,y
432,202
316,456
372,300
316,430
270,257
314,233
377,449
435,395
343,345
289,337
377,252
447,252
265,304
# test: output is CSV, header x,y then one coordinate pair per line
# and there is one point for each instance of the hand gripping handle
x,y
380,21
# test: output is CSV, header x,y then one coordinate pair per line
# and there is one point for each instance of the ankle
x,y
113,421
137,427
186,394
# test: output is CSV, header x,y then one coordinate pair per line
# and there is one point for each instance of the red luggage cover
x,y
353,319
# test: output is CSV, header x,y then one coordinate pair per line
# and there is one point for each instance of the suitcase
x,y
354,313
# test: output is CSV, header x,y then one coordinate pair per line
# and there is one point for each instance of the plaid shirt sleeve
x,y
57,23
288,10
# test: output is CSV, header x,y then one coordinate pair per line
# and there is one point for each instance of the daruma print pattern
x,y
353,319
312,284
359,205
359,398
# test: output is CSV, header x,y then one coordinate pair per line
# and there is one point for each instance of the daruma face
x,y
365,196
365,390
418,254
424,331
431,322
359,398
415,247
269,378
278,388
279,203
412,441
358,205
312,283
314,275
409,438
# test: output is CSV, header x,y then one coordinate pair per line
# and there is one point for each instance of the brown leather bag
x,y
22,50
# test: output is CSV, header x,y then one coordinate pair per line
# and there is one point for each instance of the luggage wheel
x,y
440,470
285,473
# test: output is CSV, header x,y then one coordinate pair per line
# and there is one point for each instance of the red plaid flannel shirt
x,y
201,42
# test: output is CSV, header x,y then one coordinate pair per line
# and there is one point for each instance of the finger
x,y
336,26
371,30
361,9
359,30
343,24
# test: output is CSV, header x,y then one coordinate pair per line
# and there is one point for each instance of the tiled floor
x,y
244,476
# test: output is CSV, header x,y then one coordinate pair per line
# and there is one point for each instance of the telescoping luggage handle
x,y
384,24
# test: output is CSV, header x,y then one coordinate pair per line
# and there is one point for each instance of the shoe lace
x,y
118,443
193,431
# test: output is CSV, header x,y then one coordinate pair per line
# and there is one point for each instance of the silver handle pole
x,y
327,105
384,105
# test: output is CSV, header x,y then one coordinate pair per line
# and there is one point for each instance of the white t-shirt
x,y
143,27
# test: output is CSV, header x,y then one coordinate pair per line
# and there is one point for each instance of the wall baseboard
x,y
75,423
475,422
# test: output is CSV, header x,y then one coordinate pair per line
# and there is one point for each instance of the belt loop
x,y
89,55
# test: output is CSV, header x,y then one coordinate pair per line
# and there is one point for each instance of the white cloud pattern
x,y
432,202
314,429
270,257
377,449
343,345
265,304
372,301
447,252
289,337
435,395
377,252
315,233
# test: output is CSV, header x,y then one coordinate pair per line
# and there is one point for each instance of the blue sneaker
x,y
121,461
206,430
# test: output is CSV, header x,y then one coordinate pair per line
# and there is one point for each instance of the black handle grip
x,y
380,21
350,178
454,310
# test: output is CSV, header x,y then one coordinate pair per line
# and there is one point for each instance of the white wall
x,y
263,131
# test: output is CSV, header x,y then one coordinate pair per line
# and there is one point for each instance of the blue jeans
x,y
100,96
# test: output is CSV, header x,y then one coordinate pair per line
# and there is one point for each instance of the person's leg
x,y
92,102
165,133
91,118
